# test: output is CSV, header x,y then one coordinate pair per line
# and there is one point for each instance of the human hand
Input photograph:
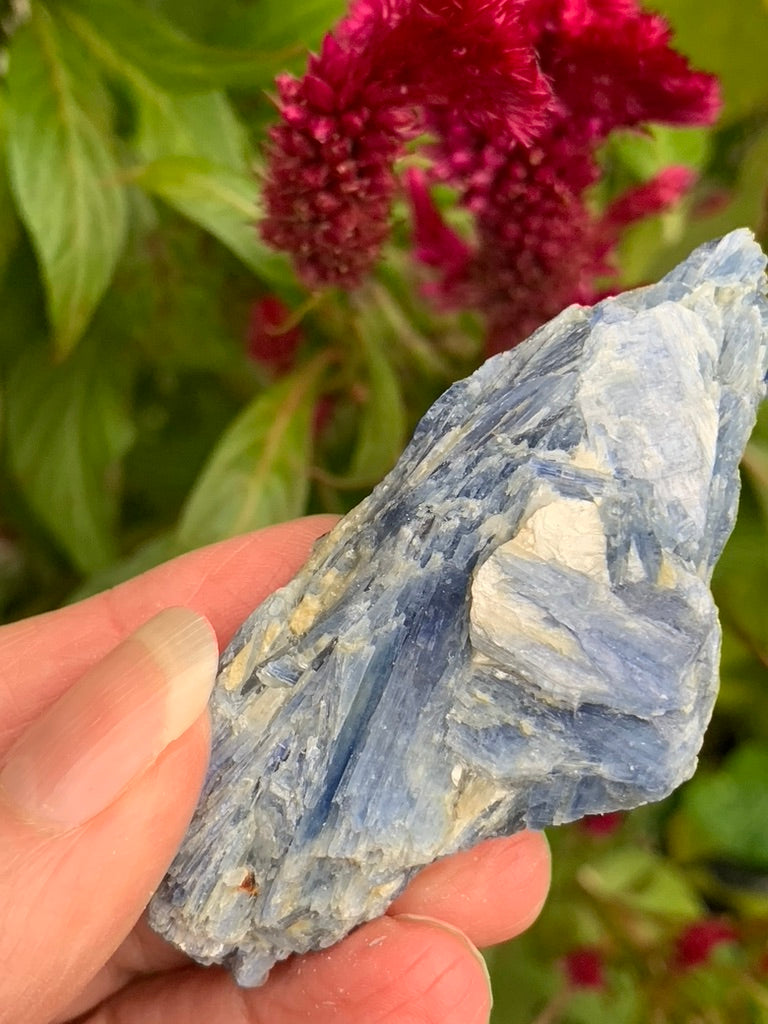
x,y
103,749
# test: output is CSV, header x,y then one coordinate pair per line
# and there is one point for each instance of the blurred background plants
x,y
166,381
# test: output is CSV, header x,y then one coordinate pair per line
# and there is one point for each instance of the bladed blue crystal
x,y
513,630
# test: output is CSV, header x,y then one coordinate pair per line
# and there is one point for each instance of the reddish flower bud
x,y
602,824
694,945
654,196
584,968
323,412
275,349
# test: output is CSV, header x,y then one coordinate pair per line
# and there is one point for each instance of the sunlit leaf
x,y
199,124
642,881
643,154
258,473
63,173
68,425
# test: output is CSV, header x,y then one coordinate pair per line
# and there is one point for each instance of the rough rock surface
x,y
514,629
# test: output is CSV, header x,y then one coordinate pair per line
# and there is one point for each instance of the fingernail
x,y
82,753
436,923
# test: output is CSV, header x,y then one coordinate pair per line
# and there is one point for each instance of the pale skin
x,y
73,940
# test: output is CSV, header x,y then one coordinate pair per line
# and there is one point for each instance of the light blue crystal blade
x,y
515,628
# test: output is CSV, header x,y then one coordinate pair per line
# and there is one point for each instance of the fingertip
x,y
112,724
389,970
491,892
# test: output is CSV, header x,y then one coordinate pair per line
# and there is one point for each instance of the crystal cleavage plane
x,y
513,630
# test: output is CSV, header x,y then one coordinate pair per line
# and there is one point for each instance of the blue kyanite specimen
x,y
514,629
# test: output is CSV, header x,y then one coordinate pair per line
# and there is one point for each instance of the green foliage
x,y
68,426
134,423
258,472
381,433
164,54
724,814
63,171
223,202
728,40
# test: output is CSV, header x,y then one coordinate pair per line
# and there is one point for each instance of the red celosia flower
x,y
538,246
584,968
331,180
695,944
519,94
330,177
602,824
472,56
274,348
536,243
612,66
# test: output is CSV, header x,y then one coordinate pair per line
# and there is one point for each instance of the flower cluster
x,y
331,179
538,245
516,96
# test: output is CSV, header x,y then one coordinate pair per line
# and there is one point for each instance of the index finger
x,y
41,657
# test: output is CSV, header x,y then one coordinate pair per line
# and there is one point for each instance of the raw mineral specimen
x,y
514,629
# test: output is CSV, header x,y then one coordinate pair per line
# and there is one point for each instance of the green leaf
x,y
641,881
63,173
381,433
164,54
641,155
68,425
755,460
223,202
740,580
728,39
9,223
258,473
652,247
275,23
724,814
199,125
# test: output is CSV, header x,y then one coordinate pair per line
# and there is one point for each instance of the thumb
x,y
94,799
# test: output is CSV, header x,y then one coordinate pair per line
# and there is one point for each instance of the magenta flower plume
x,y
696,943
330,180
471,56
612,65
538,247
330,177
